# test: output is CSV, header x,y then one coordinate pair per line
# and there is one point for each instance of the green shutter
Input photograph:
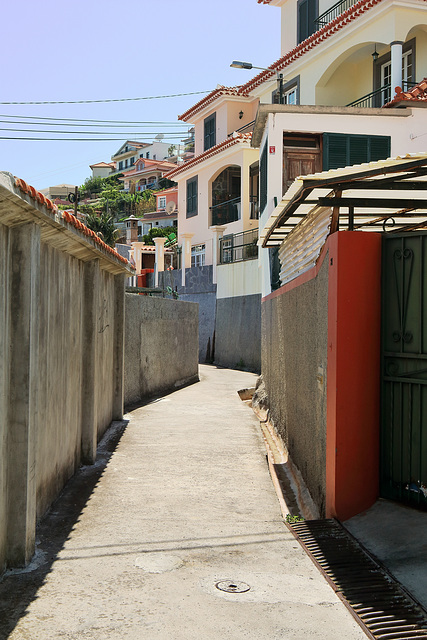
x,y
335,153
358,149
263,179
344,150
379,148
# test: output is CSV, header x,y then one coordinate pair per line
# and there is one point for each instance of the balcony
x,y
332,13
143,187
238,247
380,96
225,212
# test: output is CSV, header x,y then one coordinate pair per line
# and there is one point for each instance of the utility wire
x,y
150,134
82,124
173,95
66,139
162,122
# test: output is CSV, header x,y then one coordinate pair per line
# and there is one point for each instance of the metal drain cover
x,y
232,586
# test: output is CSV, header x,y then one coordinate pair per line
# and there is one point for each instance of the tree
x,y
171,150
103,225
157,232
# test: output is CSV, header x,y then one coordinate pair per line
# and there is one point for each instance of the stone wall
x,y
161,346
294,365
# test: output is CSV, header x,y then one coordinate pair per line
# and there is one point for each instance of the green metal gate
x,y
403,468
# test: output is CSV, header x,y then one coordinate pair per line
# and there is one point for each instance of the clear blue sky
x,y
100,49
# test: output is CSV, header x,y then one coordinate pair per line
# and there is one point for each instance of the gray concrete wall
x,y
4,390
294,357
198,288
61,349
238,332
161,346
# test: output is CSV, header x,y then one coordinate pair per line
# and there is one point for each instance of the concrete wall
x,y
238,332
294,357
198,288
238,315
161,346
321,366
61,349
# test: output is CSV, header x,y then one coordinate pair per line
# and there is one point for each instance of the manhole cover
x,y
231,586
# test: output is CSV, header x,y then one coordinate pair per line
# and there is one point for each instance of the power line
x,y
65,139
127,122
172,95
82,124
150,134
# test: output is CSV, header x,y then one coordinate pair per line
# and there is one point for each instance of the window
x,y
263,178
126,163
198,255
192,186
382,74
342,150
307,14
154,157
290,92
120,165
132,161
162,202
147,155
210,131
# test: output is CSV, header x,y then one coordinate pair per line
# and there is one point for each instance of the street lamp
x,y
238,64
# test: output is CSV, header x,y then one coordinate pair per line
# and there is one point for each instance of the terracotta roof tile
x,y
302,48
416,94
218,148
211,97
68,218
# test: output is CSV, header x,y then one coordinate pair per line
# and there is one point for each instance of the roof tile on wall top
x,y
416,94
68,218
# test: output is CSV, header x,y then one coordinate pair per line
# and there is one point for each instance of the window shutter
x,y
302,20
334,151
358,149
263,179
379,148
343,150
307,14
192,197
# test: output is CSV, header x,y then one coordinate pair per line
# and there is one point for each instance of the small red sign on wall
x,y
272,149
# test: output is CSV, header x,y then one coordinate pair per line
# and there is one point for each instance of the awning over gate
x,y
388,195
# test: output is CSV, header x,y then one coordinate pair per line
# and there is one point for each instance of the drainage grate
x,y
377,601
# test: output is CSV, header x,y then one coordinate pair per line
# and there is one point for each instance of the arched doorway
x,y
226,196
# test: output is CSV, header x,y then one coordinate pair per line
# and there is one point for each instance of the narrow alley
x,y
179,504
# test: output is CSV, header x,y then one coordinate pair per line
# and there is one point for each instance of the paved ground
x,y
180,500
396,535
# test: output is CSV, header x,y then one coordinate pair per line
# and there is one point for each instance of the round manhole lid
x,y
232,586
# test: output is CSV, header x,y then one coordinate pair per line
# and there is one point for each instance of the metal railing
x,y
336,10
238,247
380,96
225,212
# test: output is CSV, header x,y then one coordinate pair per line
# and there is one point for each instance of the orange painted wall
x,y
353,373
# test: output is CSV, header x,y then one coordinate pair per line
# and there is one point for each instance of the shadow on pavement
x,y
19,587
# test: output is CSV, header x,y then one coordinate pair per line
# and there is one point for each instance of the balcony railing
x,y
238,247
380,96
225,212
332,13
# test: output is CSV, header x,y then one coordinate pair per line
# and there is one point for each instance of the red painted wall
x,y
353,373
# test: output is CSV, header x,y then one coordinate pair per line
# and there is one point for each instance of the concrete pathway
x,y
397,536
137,544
